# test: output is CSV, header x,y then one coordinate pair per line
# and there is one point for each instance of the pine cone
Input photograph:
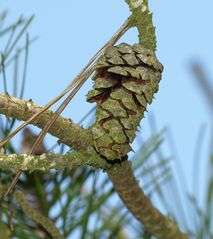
x,y
125,80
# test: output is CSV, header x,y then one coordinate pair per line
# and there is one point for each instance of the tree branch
x,y
142,19
69,133
45,162
139,205
37,216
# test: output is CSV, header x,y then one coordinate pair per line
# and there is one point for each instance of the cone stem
x,y
142,19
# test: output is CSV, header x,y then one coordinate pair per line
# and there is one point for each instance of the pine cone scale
x,y
125,81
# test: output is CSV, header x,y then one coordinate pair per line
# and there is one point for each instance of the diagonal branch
x,y
36,215
69,133
139,205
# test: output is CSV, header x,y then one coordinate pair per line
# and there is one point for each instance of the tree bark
x,y
139,205
69,133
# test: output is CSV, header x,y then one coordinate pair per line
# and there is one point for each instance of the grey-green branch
x,y
37,216
45,162
69,133
140,206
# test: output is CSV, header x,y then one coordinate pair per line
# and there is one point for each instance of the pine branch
x,y
142,19
45,162
36,216
69,133
139,205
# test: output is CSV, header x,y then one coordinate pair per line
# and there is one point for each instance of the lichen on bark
x,y
142,19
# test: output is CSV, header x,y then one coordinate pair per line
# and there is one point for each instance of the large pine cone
x,y
125,80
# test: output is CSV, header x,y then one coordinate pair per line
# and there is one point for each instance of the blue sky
x,y
70,32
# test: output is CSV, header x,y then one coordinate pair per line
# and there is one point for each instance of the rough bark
x,y
139,205
45,162
69,133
